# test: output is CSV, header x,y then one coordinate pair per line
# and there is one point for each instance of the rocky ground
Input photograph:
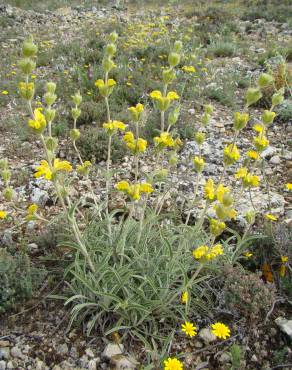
x,y
37,338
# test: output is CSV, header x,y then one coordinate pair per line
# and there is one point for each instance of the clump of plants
x,y
18,280
138,271
247,295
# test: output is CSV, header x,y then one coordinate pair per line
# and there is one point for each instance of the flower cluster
x,y
134,191
138,145
113,126
206,253
48,172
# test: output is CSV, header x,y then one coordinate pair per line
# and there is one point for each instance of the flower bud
x,y
107,64
277,98
51,87
74,134
173,116
200,137
220,211
172,160
209,108
27,66
29,49
3,163
51,143
75,113
173,59
177,47
227,199
252,95
77,99
250,217
50,114
6,174
240,120
199,164
168,75
113,37
268,117
265,80
160,175
9,194
50,98
205,119
110,49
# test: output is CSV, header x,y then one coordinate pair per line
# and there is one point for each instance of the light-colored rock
x,y
225,358
16,352
112,349
121,362
89,352
275,159
2,365
207,336
285,325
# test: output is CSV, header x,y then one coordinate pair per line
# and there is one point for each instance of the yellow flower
x,y
250,180
146,188
163,102
137,146
221,191
4,92
189,69
185,297
252,154
284,259
105,89
164,140
44,170
241,172
200,252
258,128
214,252
289,186
247,254
231,154
32,209
62,165
199,164
3,215
122,186
260,143
136,111
271,217
217,227
38,124
173,364
84,168
189,329
220,330
172,95
113,126
26,90
210,190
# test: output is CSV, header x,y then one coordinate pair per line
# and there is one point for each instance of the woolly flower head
x,y
112,126
163,102
136,111
231,154
206,253
136,190
165,140
47,172
38,123
210,190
